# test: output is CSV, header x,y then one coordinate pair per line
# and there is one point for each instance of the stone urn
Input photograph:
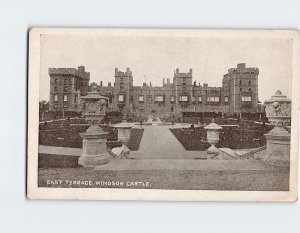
x,y
278,111
124,129
213,137
94,151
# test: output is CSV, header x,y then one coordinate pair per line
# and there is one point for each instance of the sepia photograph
x,y
163,114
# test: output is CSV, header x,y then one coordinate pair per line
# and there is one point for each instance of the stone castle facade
x,y
239,92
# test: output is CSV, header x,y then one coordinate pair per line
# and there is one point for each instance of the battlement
x,y
128,72
177,74
242,69
80,72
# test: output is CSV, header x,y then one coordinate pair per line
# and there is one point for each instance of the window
x,y
213,99
55,80
159,98
65,97
172,98
121,98
76,98
55,98
183,98
193,99
141,98
55,88
121,86
226,99
149,99
246,98
65,106
65,81
200,98
249,83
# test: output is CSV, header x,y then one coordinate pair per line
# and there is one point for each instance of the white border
x,y
34,192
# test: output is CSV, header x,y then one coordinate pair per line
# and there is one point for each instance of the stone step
x,y
182,164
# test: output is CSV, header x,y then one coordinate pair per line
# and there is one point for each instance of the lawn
x,y
186,180
64,161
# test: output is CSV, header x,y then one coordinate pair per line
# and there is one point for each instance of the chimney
x,y
109,84
177,70
150,84
116,71
101,83
191,71
163,81
168,80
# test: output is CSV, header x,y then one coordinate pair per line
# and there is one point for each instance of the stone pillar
x,y
94,151
278,111
213,137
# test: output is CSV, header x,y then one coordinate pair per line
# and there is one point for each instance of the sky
x,y
156,57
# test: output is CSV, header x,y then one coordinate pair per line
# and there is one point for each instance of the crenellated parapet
x,y
128,72
177,74
80,72
242,69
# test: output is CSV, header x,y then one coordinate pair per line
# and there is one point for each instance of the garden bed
x,y
230,137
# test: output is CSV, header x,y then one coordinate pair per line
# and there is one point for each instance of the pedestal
x,y
94,147
212,152
124,132
278,147
213,137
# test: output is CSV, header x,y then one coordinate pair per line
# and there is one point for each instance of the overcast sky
x,y
157,57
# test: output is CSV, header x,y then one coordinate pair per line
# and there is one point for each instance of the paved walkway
x,y
187,164
55,150
159,143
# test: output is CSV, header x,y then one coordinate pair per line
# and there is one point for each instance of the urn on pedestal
x,y
94,151
124,129
278,111
213,137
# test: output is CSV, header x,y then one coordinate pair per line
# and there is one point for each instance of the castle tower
x,y
123,89
66,85
240,89
183,86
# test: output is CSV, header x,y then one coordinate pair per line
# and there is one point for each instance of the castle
x,y
238,94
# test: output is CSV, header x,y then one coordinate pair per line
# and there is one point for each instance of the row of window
x,y
182,98
65,98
